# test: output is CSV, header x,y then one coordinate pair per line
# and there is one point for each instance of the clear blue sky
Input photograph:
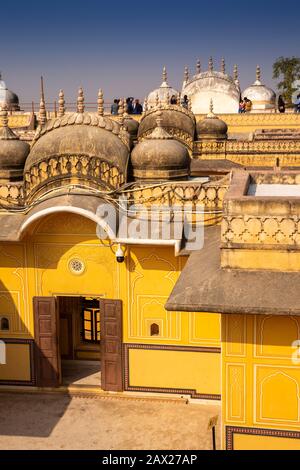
x,y
121,46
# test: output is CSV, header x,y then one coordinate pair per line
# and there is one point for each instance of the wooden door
x,y
68,308
111,345
47,356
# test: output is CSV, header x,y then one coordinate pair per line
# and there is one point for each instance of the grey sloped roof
x,y
204,286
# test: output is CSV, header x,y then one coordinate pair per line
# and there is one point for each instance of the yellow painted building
x,y
152,313
41,265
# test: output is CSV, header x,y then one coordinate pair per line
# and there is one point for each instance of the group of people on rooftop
x,y
133,106
281,104
245,105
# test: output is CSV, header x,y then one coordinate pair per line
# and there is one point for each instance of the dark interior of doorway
x,y
79,340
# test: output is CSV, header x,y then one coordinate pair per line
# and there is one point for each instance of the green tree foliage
x,y
289,69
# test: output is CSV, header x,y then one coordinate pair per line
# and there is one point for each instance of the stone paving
x,y
59,421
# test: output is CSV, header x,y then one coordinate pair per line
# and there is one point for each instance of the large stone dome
x,y
176,120
263,98
8,97
13,151
212,85
78,146
159,156
162,94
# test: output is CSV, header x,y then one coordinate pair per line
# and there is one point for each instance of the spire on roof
x,y
5,132
61,103
179,99
42,111
235,72
145,104
80,101
156,99
186,74
100,103
168,100
121,111
211,109
223,66
4,116
258,73
164,74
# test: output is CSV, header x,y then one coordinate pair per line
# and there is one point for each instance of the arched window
x,y
4,323
154,329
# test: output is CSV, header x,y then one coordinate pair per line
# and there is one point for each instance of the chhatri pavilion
x,y
152,310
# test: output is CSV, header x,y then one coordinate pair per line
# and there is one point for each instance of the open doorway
x,y
68,329
79,340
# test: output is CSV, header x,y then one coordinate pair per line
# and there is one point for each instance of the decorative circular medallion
x,y
76,266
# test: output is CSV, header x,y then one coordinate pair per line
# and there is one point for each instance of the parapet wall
x,y
261,232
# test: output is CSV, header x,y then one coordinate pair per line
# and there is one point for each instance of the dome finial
x,y
61,103
100,102
179,99
125,107
5,132
156,99
186,74
198,67
159,132
223,66
4,115
159,119
164,74
80,101
210,64
258,74
168,98
235,72
211,109
42,111
121,111
145,104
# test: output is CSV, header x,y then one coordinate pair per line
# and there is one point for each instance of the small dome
x,y
212,127
262,97
8,97
159,156
13,151
162,94
176,121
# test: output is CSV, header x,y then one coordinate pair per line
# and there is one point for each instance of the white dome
x,y
3,90
263,98
212,85
164,92
8,97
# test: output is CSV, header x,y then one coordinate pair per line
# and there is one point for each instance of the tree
x,y
289,69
